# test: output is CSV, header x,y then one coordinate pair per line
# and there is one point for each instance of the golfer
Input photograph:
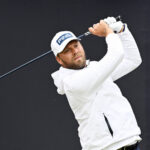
x,y
105,117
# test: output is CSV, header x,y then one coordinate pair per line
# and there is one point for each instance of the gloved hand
x,y
116,26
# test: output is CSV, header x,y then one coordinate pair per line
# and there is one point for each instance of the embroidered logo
x,y
63,38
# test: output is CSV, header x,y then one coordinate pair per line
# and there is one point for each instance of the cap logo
x,y
63,38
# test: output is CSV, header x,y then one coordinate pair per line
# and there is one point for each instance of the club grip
x,y
118,18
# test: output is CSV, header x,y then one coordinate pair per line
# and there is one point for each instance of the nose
x,y
75,51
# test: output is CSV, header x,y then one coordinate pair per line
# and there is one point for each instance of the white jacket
x,y
105,117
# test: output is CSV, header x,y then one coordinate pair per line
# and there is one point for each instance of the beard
x,y
75,64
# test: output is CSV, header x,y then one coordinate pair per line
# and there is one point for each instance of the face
x,y
73,56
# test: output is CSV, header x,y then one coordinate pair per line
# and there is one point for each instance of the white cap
x,y
60,40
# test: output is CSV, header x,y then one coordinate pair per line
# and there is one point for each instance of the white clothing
x,y
105,117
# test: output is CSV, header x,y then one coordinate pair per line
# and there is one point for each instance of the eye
x,y
76,45
66,50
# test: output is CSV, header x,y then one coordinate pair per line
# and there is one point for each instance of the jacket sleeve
x,y
132,58
88,79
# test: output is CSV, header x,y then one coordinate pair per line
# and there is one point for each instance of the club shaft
x,y
32,60
41,56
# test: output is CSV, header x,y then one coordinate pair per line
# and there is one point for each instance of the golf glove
x,y
116,26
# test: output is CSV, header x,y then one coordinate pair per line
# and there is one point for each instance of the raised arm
x,y
90,78
132,58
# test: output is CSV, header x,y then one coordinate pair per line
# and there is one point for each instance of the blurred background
x,y
32,115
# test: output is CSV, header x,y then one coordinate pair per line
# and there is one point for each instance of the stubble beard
x,y
79,64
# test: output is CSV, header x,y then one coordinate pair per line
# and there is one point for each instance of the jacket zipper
x,y
108,125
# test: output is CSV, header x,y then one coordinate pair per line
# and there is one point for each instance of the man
x,y
105,117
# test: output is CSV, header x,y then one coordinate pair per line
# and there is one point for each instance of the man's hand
x,y
101,29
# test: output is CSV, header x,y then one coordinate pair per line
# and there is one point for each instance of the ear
x,y
59,60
